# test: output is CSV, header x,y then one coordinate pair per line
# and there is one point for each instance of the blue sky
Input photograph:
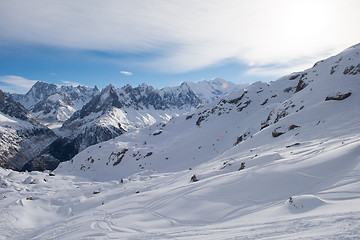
x,y
163,43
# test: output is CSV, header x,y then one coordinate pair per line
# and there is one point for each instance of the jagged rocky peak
x,y
13,108
79,92
147,97
40,90
54,104
108,93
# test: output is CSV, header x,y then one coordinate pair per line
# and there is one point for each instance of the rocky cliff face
x,y
22,136
52,104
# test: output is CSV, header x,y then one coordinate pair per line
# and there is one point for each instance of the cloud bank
x,y
188,35
15,84
69,83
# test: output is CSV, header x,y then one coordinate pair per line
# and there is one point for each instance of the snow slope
x,y
296,106
298,138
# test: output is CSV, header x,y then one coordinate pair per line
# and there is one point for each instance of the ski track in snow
x,y
169,206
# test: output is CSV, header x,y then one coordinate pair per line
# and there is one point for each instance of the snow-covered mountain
x,y
53,104
22,136
106,115
278,160
115,111
208,91
297,103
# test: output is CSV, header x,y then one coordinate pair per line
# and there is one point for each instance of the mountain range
x,y
52,104
83,116
276,160
290,108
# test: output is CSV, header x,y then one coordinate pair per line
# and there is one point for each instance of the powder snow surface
x,y
301,184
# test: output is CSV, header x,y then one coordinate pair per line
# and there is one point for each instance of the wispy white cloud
x,y
279,70
126,73
15,84
189,34
69,83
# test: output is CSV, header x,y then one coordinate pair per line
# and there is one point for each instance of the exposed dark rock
x,y
333,69
262,104
190,116
200,119
157,133
293,77
236,100
292,145
266,123
194,178
281,114
41,163
242,166
119,156
277,133
238,140
288,89
301,84
148,154
338,96
293,126
241,138
352,70
244,106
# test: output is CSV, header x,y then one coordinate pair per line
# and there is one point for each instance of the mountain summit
x,y
52,104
